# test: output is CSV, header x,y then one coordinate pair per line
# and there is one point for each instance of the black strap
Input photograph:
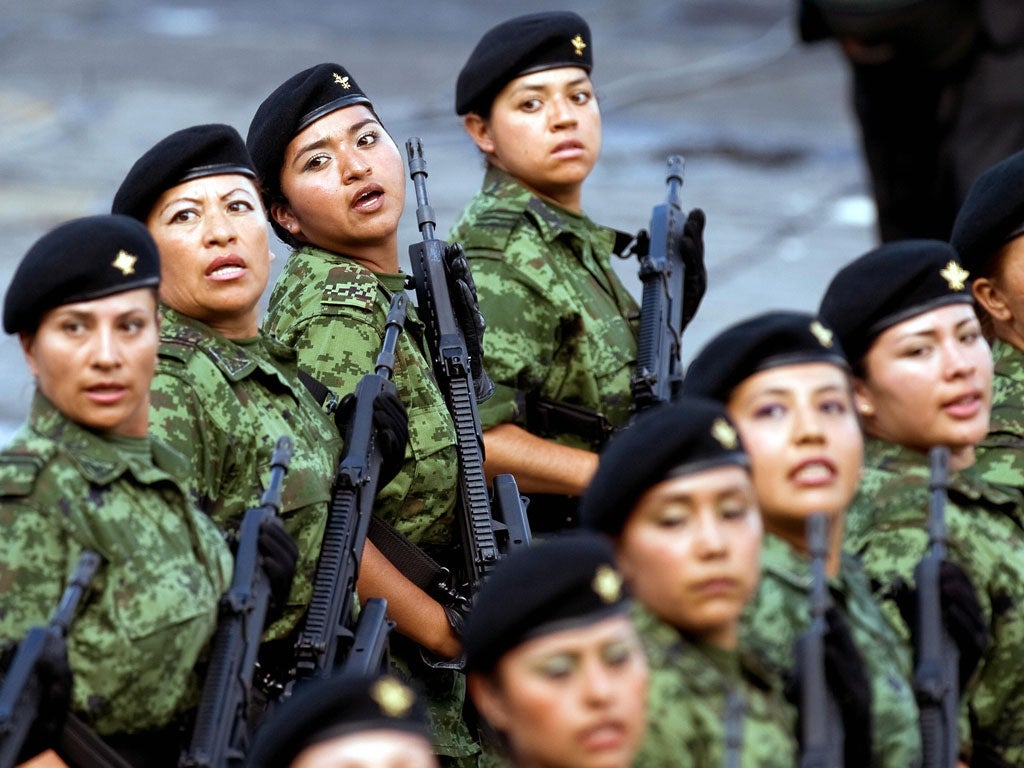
x,y
81,747
545,416
316,388
415,564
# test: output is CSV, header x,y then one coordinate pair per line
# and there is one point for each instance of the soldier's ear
x,y
862,399
990,296
282,213
488,700
26,340
479,131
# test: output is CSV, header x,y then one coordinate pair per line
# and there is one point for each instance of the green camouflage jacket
x,y
780,612
153,604
887,529
332,312
691,686
560,324
222,404
1000,456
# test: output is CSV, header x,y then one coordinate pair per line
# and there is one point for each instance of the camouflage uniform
x,y
332,312
887,528
691,684
560,324
780,612
222,404
153,606
999,457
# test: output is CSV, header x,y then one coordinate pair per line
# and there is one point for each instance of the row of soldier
x,y
704,502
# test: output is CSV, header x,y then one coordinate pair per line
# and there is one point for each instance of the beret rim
x,y
322,111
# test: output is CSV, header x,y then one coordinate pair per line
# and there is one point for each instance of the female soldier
x,y
922,377
82,474
349,721
988,237
561,334
786,385
687,536
554,663
224,391
334,183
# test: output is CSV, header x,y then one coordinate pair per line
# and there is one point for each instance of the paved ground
x,y
87,85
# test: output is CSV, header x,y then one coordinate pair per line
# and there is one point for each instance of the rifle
x,y
222,730
327,639
20,693
485,537
822,723
658,375
936,681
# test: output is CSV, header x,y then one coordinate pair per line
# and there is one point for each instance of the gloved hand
x,y
961,615
391,421
54,676
279,554
691,249
848,681
467,312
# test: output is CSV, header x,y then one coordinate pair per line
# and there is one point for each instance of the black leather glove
x,y
691,249
391,421
279,554
961,615
55,683
849,684
467,312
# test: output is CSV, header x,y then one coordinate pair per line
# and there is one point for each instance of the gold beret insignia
x,y
607,583
393,698
955,275
124,262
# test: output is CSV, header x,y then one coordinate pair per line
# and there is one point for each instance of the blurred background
x,y
86,86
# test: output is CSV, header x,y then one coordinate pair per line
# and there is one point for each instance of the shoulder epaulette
x,y
350,286
18,472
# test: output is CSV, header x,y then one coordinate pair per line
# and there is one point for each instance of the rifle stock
x,y
327,637
822,723
936,669
484,539
658,376
20,692
222,730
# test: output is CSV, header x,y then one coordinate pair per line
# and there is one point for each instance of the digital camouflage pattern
x,y
887,529
1000,456
223,404
780,612
560,324
332,311
153,604
690,684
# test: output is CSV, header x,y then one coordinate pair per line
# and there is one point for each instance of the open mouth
x,y
225,267
368,198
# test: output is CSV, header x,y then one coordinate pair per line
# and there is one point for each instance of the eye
x,y
970,336
368,139
240,206
920,350
133,326
73,327
769,411
581,97
556,667
834,407
316,162
619,653
184,216
734,511
672,516
530,105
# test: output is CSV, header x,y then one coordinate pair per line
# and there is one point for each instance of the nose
x,y
598,683
106,351
219,230
356,166
710,538
807,425
560,112
957,360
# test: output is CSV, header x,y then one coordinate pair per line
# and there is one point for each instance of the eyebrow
x,y
322,141
528,86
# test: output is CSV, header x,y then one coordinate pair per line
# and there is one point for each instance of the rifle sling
x,y
81,747
415,564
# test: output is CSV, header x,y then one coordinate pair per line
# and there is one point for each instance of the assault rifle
x,y
658,375
936,670
222,730
822,723
327,640
20,694
485,536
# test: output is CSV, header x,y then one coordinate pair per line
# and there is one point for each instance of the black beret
x,y
565,581
297,103
890,284
325,708
518,46
992,214
689,435
765,341
80,260
191,153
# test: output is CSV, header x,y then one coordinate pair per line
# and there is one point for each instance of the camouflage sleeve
x,y
674,737
521,339
33,559
338,350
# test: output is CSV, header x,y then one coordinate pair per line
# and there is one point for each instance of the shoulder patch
x,y
179,342
491,230
18,472
351,287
